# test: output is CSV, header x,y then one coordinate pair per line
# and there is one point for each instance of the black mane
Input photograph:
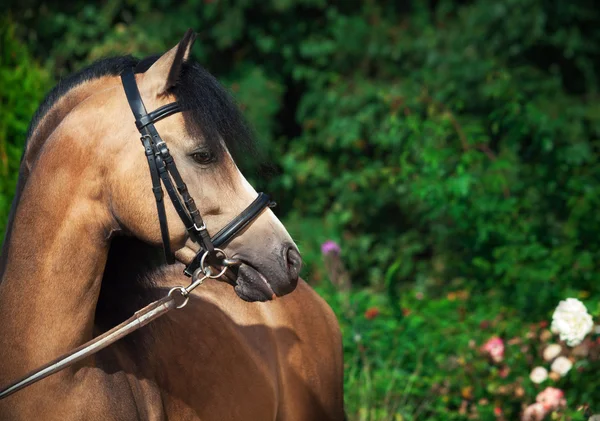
x,y
132,264
112,66
211,109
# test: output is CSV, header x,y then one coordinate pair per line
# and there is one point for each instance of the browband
x,y
158,114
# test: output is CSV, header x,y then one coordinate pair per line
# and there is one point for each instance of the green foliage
x,y
24,84
456,144
428,365
440,143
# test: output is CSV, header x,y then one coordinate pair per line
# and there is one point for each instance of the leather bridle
x,y
162,169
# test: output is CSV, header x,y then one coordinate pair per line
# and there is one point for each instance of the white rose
x,y
538,375
551,352
561,365
571,321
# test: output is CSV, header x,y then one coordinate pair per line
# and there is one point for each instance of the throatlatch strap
x,y
139,110
160,204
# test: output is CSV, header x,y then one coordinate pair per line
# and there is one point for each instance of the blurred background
x,y
436,161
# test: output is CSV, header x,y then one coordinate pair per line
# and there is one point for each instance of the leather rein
x,y
162,171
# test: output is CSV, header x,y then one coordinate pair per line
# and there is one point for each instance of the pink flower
x,y
551,398
498,411
330,246
494,347
534,412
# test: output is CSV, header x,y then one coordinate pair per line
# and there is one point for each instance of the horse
x,y
82,252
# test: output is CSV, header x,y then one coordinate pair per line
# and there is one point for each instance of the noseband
x,y
162,168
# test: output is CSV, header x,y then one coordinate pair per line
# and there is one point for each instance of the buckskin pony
x,y
83,252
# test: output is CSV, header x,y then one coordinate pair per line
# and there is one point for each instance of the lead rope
x,y
140,319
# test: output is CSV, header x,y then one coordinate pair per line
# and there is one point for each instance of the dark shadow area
x,y
200,355
220,369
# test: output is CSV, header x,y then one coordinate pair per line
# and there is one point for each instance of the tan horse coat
x,y
220,358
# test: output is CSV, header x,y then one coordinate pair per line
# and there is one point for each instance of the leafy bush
x,y
429,363
24,84
455,153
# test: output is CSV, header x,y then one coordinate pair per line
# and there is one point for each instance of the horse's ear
x,y
164,73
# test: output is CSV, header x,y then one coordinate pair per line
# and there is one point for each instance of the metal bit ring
x,y
206,269
231,262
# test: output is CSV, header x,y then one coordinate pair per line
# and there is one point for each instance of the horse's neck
x,y
55,261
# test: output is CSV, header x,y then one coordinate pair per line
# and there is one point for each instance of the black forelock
x,y
211,109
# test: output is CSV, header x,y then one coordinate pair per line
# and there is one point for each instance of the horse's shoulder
x,y
307,309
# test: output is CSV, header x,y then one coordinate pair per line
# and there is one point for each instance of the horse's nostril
x,y
294,263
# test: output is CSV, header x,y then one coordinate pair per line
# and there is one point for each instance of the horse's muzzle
x,y
266,277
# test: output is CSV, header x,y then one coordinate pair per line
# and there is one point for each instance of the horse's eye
x,y
203,157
